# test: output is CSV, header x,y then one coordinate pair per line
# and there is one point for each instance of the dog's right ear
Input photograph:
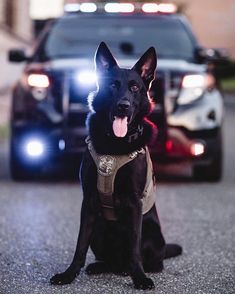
x,y
104,60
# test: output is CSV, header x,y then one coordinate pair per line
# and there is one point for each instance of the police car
x,y
49,105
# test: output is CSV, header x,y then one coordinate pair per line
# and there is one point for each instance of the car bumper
x,y
61,143
197,123
56,144
180,146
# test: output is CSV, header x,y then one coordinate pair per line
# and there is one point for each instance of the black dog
x,y
123,238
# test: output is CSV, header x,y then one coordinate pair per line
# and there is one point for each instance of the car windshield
x,y
79,36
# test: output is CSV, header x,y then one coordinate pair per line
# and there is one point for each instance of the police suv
x,y
49,105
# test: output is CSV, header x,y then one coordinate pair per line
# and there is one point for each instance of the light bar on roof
x,y
88,7
167,7
71,7
150,7
123,7
126,7
119,7
111,7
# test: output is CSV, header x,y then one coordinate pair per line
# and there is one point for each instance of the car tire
x,y
213,171
17,169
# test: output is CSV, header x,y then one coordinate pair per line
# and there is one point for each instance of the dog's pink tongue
x,y
120,126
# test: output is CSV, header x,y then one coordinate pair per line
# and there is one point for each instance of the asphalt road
x,y
39,224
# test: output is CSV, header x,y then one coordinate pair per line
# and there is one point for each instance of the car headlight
x,y
86,78
34,148
193,87
38,80
37,83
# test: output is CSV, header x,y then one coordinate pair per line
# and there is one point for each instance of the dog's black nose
x,y
123,105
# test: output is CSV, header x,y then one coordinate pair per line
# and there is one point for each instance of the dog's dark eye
x,y
134,88
114,85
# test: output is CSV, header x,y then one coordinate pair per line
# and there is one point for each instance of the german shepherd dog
x,y
133,242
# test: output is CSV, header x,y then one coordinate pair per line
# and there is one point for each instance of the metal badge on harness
x,y
106,165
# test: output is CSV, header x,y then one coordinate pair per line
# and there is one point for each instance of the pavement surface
x,y
39,223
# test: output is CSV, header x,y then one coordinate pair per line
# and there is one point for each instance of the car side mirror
x,y
17,55
211,55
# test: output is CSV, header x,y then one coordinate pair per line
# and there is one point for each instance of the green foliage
x,y
4,132
228,85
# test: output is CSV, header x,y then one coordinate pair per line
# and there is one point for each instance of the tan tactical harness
x,y
107,167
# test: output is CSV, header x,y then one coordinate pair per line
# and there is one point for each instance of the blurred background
x,y
213,22
39,219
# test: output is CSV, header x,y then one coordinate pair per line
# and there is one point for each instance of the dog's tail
x,y
173,250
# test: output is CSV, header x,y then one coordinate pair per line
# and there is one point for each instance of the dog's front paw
x,y
63,278
144,284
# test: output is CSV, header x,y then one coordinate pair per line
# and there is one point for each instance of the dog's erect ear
x,y
146,66
104,59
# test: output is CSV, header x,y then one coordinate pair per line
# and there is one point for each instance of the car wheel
x,y
17,169
213,171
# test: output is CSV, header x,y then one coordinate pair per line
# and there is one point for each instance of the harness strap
x,y
149,194
107,167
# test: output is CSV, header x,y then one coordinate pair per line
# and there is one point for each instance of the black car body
x,y
49,105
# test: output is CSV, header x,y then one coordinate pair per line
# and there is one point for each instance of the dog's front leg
x,y
86,226
141,281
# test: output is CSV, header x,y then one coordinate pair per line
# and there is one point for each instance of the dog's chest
x,y
107,168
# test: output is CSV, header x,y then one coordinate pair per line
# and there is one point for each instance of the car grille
x,y
69,98
76,119
158,116
65,87
77,92
57,89
77,99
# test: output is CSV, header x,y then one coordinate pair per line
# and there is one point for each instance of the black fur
x,y
133,244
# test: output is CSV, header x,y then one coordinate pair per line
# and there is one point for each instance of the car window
x,y
80,36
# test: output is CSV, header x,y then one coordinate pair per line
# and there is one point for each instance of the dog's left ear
x,y
104,59
146,66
